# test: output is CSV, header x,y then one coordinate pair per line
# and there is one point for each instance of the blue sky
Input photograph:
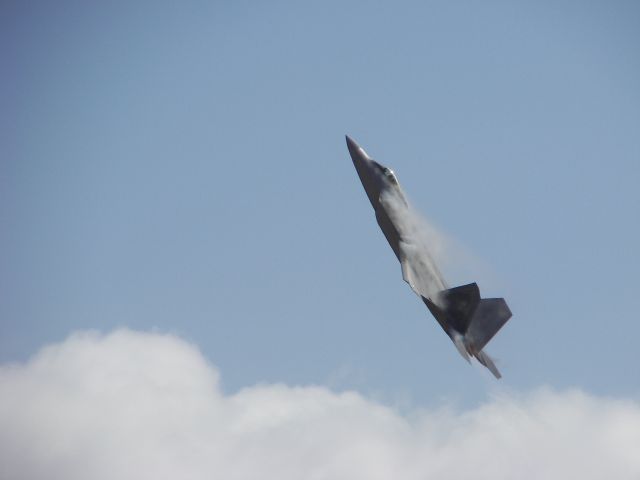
x,y
182,168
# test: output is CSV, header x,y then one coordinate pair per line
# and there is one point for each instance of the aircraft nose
x,y
353,146
366,168
356,151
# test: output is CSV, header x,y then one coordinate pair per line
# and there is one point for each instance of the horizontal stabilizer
x,y
486,360
489,317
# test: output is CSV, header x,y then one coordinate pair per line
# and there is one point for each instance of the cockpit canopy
x,y
390,175
387,173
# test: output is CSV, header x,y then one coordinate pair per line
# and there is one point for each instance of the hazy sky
x,y
174,177
181,167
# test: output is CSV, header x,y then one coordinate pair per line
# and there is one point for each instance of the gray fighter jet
x,y
470,321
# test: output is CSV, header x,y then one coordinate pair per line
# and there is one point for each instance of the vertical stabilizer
x,y
489,317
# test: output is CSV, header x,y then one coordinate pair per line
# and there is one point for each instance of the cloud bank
x,y
132,405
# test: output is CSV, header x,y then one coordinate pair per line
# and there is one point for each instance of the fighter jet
x,y
470,321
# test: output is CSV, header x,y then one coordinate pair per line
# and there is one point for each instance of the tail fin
x,y
460,303
489,317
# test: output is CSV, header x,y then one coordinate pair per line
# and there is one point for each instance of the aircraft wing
x,y
420,271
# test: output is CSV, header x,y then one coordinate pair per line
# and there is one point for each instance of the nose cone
x,y
367,170
357,153
351,144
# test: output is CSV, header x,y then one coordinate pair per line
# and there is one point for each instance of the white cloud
x,y
138,405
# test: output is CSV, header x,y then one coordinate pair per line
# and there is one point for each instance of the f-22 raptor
x,y
470,321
